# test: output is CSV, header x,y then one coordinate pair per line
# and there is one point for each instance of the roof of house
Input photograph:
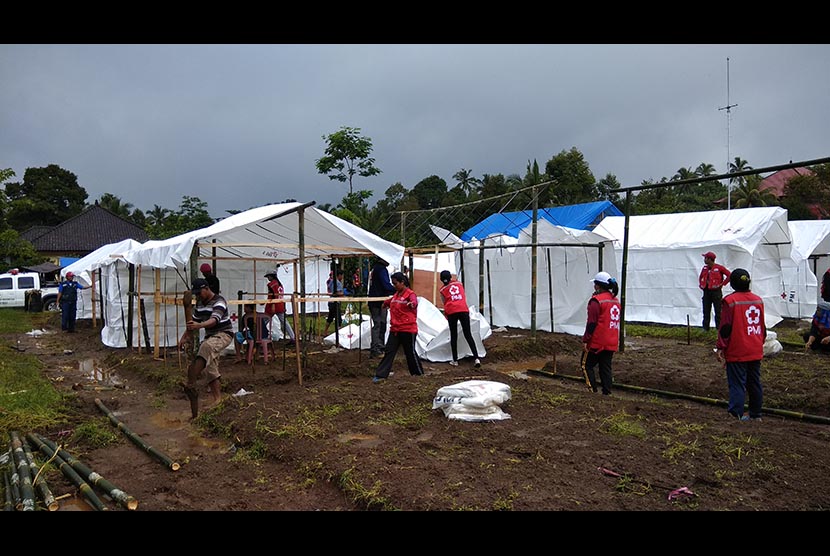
x,y
777,181
34,232
86,232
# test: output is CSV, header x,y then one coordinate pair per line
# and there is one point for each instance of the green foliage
x,y
17,252
623,424
347,154
574,182
748,194
803,192
429,192
46,196
467,184
192,215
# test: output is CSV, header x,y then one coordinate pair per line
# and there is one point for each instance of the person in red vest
x,y
602,332
277,291
740,345
457,311
712,278
403,329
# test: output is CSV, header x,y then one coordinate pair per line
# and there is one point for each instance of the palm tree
x,y
114,204
684,174
466,181
749,195
156,216
704,169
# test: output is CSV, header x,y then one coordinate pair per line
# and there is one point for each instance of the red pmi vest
x,y
713,276
606,336
402,317
275,291
746,341
455,300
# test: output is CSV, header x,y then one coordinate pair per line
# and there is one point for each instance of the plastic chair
x,y
262,339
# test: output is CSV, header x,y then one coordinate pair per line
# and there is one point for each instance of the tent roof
x,y
810,236
269,232
745,228
583,216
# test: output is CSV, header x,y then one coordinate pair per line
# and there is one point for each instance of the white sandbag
x,y
771,344
473,400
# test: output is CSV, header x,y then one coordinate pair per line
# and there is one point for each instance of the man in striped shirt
x,y
210,313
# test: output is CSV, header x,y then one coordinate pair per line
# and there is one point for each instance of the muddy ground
x,y
339,442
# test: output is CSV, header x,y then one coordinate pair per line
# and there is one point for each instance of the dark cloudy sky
x,y
242,125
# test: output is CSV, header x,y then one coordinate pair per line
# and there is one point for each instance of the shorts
x,y
210,350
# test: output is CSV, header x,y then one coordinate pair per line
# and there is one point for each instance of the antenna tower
x,y
728,109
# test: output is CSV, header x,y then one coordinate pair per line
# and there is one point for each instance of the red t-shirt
x,y
455,300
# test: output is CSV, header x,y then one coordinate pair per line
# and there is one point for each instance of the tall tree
x,y
808,197
5,175
684,174
749,194
115,205
16,252
738,165
574,181
46,196
430,191
347,153
466,181
608,188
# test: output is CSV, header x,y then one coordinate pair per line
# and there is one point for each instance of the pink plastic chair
x,y
262,339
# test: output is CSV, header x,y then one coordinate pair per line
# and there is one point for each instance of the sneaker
x,y
454,363
376,379
477,363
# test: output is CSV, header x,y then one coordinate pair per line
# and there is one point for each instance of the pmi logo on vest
x,y
615,317
753,319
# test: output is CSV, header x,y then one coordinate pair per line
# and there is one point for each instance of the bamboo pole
x,y
8,506
297,336
14,480
137,439
40,483
139,312
92,477
27,493
156,313
70,474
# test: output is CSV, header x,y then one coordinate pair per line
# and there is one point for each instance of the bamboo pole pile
x,y
92,477
86,490
169,463
40,483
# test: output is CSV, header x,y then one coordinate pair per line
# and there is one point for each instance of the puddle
x,y
93,370
74,505
366,440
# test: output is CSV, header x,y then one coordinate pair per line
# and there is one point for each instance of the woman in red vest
x,y
740,344
277,291
403,329
602,332
457,311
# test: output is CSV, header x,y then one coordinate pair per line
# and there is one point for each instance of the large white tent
x,y
809,259
664,259
567,260
241,248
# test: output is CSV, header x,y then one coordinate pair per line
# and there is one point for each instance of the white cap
x,y
602,278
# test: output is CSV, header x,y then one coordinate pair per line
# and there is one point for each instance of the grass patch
x,y
28,401
736,447
547,399
411,418
255,452
97,433
673,332
368,498
623,424
18,321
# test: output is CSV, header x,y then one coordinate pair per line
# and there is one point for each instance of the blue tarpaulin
x,y
584,216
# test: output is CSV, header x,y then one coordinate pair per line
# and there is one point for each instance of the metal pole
x,y
533,264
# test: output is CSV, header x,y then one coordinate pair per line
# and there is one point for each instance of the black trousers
x,y
464,318
590,360
712,298
406,340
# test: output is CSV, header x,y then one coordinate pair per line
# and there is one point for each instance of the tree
x,y
739,165
492,185
46,196
684,174
429,192
466,181
192,215
574,181
347,154
748,194
16,252
115,205
607,188
807,193
353,208
5,174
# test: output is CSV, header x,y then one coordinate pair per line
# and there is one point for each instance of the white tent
x,y
664,259
809,259
567,260
241,248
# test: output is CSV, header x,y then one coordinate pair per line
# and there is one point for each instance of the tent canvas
x,y
810,258
568,268
664,259
583,216
241,248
